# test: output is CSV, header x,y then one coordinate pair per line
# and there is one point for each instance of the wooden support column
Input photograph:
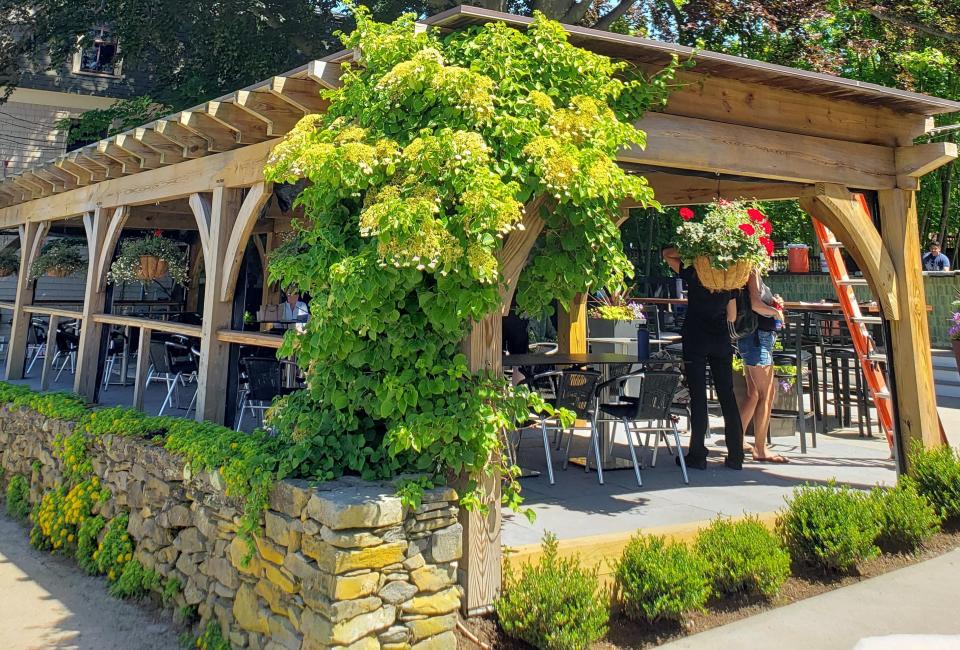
x,y
97,225
31,237
572,326
481,564
143,364
214,354
910,344
48,357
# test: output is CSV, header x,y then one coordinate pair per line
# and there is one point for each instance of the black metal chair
x,y
67,345
263,385
576,391
36,344
839,359
658,390
172,364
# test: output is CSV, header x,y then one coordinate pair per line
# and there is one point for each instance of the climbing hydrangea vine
x,y
430,154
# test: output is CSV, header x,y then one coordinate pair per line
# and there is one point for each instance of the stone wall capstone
x,y
337,565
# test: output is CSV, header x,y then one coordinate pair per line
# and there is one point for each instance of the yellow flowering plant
x,y
431,153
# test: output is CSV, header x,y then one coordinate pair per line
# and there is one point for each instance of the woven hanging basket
x,y
6,271
733,277
152,268
58,272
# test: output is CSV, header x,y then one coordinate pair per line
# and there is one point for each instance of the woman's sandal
x,y
776,459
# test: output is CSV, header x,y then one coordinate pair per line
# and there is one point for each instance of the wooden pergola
x,y
736,128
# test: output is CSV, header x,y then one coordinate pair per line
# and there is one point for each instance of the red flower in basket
x,y
768,244
158,233
747,229
686,214
767,228
755,215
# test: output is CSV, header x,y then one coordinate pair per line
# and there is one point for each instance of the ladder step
x,y
867,320
882,394
833,244
853,282
876,357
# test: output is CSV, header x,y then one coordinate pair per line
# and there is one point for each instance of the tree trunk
x,y
946,185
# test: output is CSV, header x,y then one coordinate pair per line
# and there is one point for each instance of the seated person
x,y
934,260
293,310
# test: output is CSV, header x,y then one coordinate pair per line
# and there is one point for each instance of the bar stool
x,y
840,359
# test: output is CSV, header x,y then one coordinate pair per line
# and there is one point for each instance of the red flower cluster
x,y
686,214
760,219
158,233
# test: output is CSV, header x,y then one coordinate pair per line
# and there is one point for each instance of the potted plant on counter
x,y
726,244
955,329
614,316
59,259
149,258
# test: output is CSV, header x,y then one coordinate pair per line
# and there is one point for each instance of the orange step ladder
x,y
872,361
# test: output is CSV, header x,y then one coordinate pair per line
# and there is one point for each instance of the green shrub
x,y
657,580
134,581
936,475
18,497
743,556
555,605
831,527
212,638
906,517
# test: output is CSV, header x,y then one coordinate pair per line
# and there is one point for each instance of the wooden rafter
x,y
170,152
149,158
221,137
251,128
280,116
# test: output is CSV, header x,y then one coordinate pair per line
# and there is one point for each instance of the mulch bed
x,y
804,583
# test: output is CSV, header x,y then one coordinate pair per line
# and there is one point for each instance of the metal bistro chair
x,y
115,347
658,389
839,361
36,344
67,345
263,385
173,365
576,391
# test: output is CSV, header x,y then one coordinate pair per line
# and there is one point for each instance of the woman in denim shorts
x,y
756,350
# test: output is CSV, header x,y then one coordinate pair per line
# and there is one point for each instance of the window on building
x,y
98,54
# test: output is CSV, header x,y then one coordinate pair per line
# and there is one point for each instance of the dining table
x,y
602,360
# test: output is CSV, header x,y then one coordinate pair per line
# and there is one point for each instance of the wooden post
x,y
48,357
910,340
96,225
143,364
31,236
214,354
193,289
480,569
572,326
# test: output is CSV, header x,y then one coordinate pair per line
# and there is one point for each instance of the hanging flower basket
x,y
59,272
9,263
149,258
152,268
728,242
60,259
728,279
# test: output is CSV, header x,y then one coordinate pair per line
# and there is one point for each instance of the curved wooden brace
x,y
117,221
840,211
201,206
246,219
30,244
515,251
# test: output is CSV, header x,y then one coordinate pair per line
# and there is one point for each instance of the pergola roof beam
x,y
281,116
221,137
170,151
251,128
149,159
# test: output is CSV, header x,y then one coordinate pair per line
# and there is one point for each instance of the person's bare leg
x,y
748,406
762,377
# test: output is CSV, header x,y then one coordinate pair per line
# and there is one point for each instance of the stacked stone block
x,y
338,565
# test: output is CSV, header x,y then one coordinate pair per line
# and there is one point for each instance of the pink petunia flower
x,y
747,229
686,214
755,215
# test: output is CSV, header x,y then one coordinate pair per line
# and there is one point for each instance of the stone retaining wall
x,y
340,565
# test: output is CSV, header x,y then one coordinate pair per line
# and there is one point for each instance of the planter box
x,y
780,425
612,329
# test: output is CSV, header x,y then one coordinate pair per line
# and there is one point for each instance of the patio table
x,y
602,359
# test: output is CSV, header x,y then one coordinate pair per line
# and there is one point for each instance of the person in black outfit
x,y
707,339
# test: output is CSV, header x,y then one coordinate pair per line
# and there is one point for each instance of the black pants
x,y
698,350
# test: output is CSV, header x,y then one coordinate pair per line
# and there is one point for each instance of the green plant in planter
x,y
9,262
60,258
429,156
128,267
660,580
612,305
830,527
743,557
555,605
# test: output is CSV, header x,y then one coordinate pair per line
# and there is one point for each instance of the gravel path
x,y
46,601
